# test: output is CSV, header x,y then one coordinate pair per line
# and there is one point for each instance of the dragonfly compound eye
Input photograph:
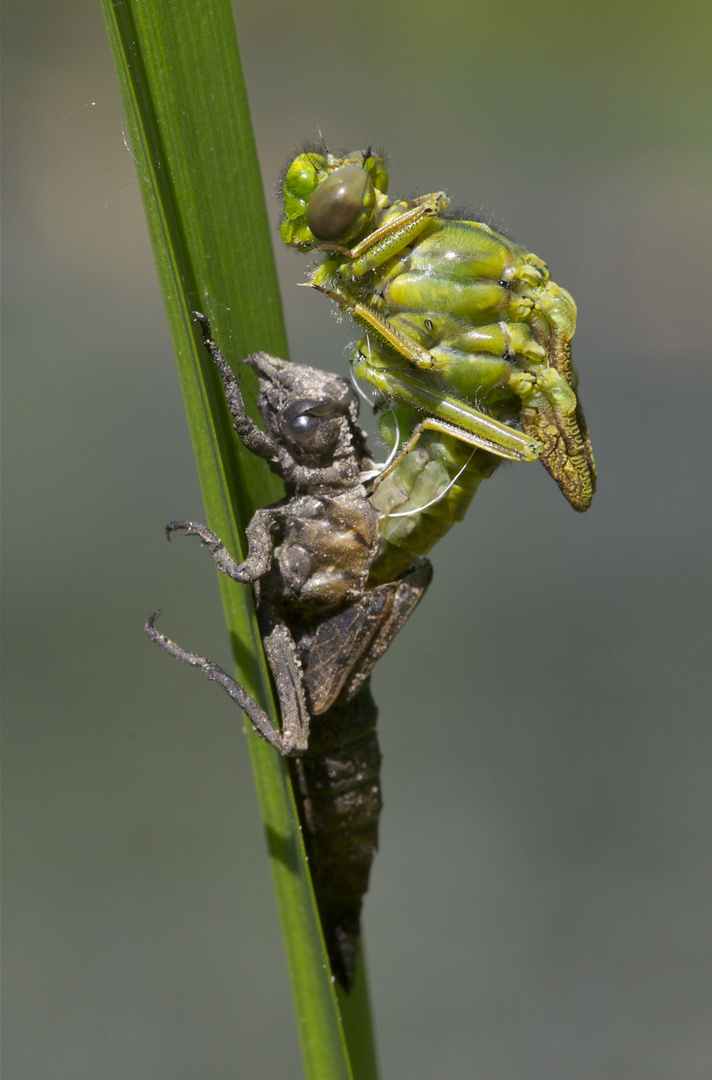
x,y
342,205
310,425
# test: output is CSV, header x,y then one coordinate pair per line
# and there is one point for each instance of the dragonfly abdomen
x,y
339,800
428,491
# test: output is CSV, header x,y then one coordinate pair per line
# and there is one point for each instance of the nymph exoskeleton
x,y
324,622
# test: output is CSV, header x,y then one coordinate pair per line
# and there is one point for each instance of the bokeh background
x,y
540,907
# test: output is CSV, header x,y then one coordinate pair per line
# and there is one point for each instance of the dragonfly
x,y
324,622
466,336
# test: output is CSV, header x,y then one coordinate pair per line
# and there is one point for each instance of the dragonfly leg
x,y
282,657
386,334
259,542
510,444
256,440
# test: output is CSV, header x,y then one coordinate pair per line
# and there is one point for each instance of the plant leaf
x,y
188,118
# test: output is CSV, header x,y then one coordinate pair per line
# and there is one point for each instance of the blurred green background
x,y
540,907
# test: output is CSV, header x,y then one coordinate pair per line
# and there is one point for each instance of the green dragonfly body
x,y
466,335
427,491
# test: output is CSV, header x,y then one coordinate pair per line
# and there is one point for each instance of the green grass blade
x,y
188,118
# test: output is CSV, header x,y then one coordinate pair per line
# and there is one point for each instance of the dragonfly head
x,y
311,413
331,200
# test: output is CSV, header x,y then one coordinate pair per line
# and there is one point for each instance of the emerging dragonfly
x,y
466,333
323,622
